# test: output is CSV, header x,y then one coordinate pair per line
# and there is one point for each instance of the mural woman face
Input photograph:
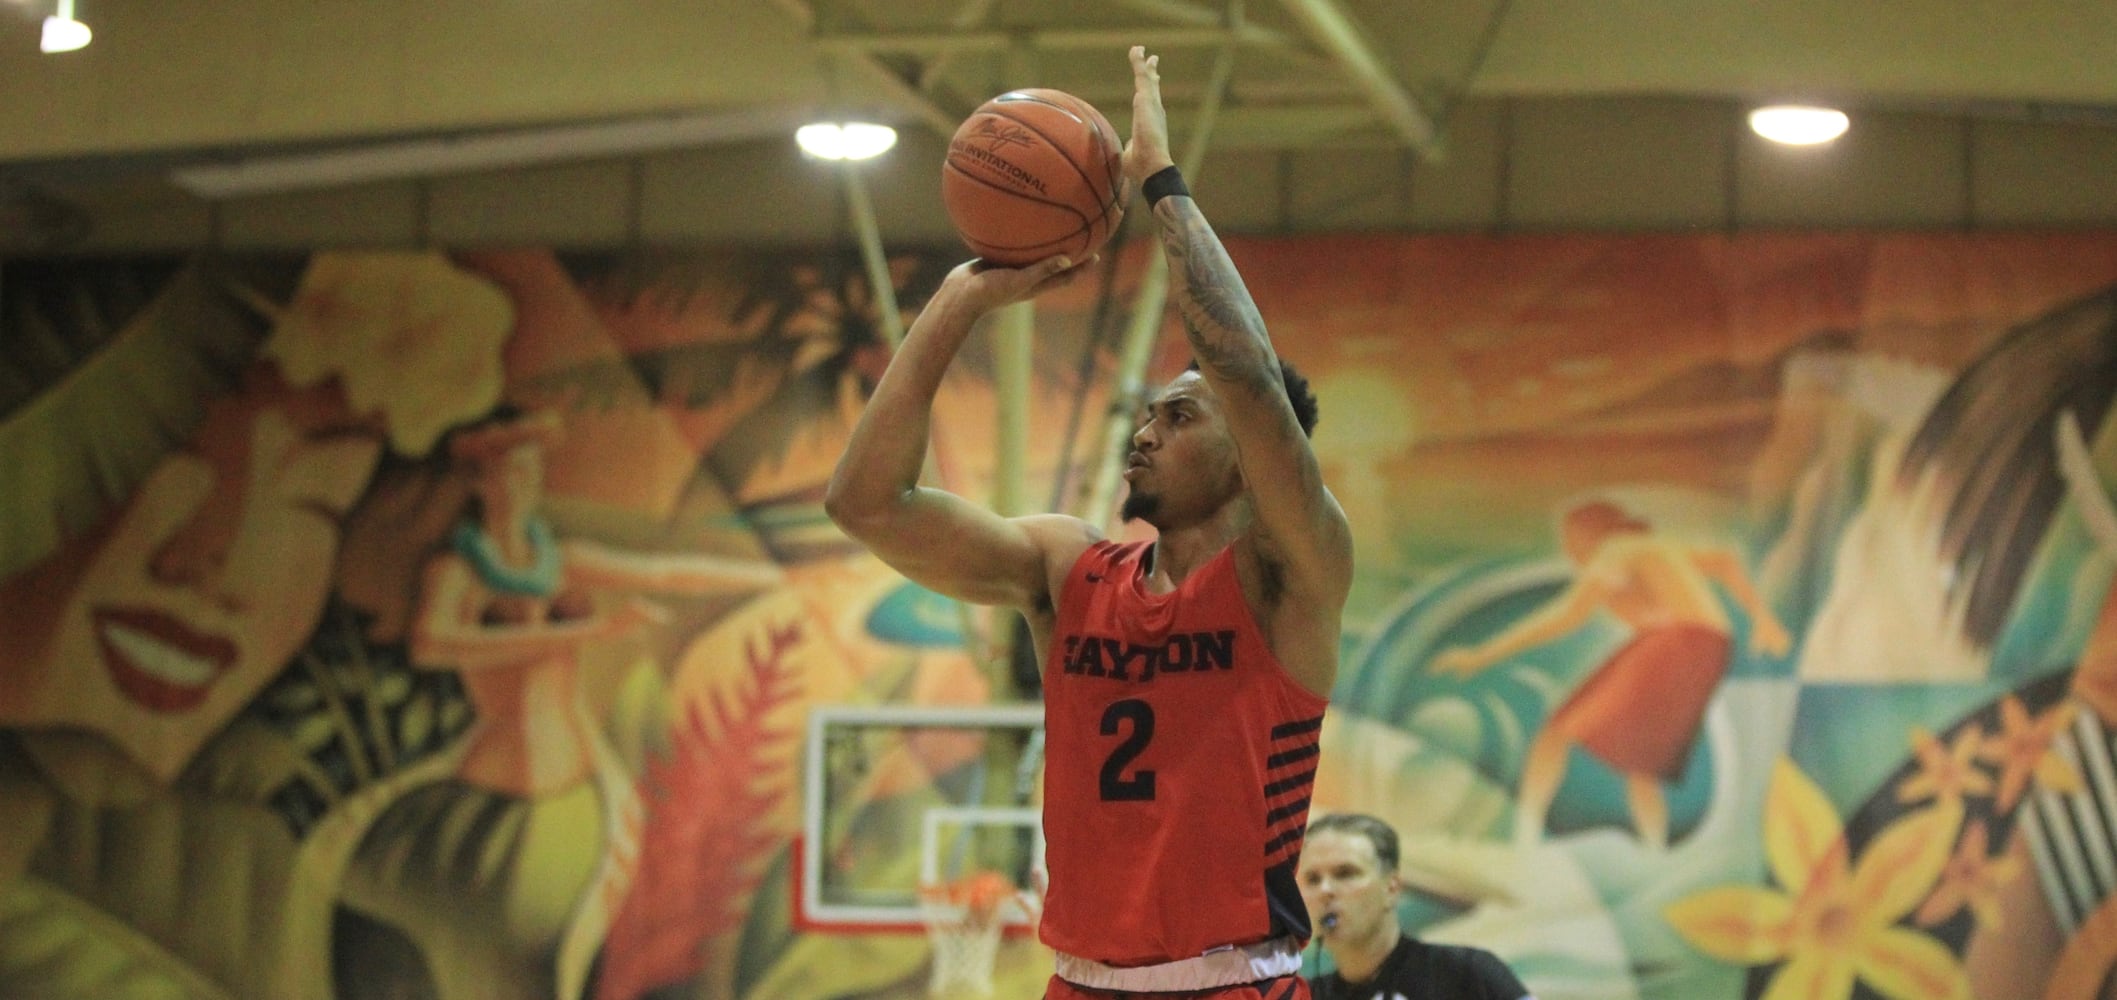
x,y
1584,528
160,628
515,479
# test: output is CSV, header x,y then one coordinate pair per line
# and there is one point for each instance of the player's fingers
x,y
1063,278
1030,278
1065,275
1145,67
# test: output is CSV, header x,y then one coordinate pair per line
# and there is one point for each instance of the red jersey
x,y
1179,756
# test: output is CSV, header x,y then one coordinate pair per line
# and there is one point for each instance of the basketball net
x,y
963,922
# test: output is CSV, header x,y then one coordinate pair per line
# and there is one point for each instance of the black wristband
x,y
1164,182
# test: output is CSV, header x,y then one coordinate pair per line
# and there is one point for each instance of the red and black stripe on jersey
x,y
1290,779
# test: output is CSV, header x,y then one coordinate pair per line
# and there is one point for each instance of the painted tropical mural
x,y
1734,619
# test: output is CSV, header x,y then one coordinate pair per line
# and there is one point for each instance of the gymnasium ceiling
x,y
169,83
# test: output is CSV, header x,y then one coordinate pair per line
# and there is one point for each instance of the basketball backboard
x,y
895,797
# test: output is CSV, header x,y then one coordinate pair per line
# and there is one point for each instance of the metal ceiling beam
x,y
1281,126
994,39
1329,25
1193,15
273,173
894,87
968,16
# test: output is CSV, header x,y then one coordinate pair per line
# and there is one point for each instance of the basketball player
x,y
1350,882
1185,678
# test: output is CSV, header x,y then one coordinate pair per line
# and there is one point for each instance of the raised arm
x,y
936,538
1304,531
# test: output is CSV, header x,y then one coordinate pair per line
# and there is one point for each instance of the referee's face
x,y
1349,896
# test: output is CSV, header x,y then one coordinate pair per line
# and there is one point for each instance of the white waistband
x,y
1225,967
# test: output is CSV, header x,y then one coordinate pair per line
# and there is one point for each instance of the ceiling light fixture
x,y
62,33
1796,125
849,141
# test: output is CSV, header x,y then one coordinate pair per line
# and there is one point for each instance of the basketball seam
x,y
1096,125
1085,222
1083,216
1115,188
1116,176
1105,134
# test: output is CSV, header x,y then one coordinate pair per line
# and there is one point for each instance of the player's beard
x,y
1138,506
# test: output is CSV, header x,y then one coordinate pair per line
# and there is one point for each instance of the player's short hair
x,y
1378,833
1297,392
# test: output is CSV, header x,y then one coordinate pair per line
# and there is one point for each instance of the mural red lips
x,y
157,661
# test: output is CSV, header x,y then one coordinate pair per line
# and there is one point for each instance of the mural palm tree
x,y
804,325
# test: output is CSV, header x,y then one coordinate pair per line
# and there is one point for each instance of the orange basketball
x,y
1032,173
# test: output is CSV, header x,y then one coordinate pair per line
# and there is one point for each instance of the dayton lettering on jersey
x,y
1185,652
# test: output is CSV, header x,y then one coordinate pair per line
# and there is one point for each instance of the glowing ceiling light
x,y
62,33
850,141
1795,125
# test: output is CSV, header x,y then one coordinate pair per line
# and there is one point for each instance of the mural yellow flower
x,y
414,339
1946,774
2022,749
1834,922
1971,878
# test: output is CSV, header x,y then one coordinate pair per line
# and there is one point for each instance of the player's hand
x,y
1148,152
983,286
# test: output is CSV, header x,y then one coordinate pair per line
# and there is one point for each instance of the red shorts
x,y
1291,987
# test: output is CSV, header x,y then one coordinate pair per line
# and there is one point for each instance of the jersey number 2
x,y
1116,786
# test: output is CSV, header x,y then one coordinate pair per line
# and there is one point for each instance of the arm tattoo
x,y
1226,332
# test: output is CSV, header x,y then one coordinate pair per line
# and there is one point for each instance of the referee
x,y
1349,880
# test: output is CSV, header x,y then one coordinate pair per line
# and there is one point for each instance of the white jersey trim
x,y
1223,967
